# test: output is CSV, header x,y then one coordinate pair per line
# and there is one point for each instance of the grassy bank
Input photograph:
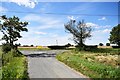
x,y
92,64
14,66
15,69
0,63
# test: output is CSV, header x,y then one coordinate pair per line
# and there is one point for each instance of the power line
x,y
51,13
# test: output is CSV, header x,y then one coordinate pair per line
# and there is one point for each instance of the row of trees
x,y
81,32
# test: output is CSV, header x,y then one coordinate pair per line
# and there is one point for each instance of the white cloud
x,y
44,21
103,18
96,26
71,18
99,36
106,30
2,9
92,25
102,31
26,3
40,19
42,33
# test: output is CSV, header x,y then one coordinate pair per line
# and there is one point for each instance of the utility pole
x,y
57,42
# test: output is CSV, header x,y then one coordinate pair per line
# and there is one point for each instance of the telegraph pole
x,y
57,42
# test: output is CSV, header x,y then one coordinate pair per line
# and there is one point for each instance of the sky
x,y
47,19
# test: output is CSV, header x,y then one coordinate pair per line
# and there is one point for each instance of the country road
x,y
42,64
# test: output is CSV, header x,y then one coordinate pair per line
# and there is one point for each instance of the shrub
x,y
7,57
100,44
32,45
107,44
6,47
78,48
88,48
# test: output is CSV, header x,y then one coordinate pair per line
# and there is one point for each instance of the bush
x,y
32,45
107,44
7,57
100,44
78,48
6,47
88,48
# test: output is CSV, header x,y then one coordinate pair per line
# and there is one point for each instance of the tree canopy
x,y
11,28
80,31
115,35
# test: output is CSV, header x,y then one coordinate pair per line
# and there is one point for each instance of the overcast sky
x,y
47,19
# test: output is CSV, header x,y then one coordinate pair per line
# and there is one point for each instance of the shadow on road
x,y
41,55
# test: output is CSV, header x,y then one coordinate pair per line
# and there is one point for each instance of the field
x,y
95,63
33,48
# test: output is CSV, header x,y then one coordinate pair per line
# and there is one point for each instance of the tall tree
x,y
115,35
80,31
11,28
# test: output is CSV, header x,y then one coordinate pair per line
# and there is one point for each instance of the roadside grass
x,y
0,73
14,66
0,52
92,64
15,69
0,63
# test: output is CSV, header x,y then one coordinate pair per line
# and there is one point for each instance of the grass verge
x,y
87,64
15,69
14,66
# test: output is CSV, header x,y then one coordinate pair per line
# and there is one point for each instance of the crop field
x,y
33,48
93,64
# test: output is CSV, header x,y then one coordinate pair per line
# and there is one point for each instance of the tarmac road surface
x,y
42,64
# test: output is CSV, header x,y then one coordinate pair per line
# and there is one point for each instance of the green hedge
x,y
102,50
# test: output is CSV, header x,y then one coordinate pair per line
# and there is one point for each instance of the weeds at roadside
x,y
87,63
